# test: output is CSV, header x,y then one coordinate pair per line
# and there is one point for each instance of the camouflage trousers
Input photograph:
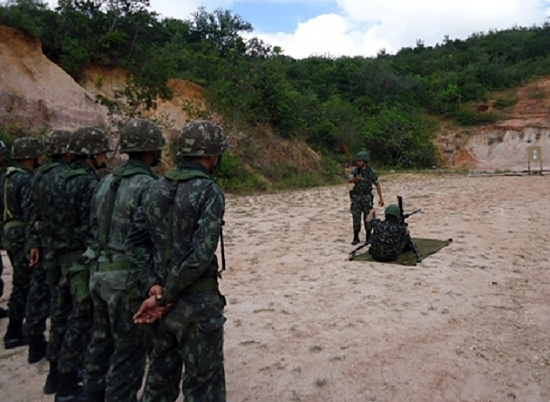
x,y
198,346
21,280
79,322
1,280
37,308
60,307
360,208
117,352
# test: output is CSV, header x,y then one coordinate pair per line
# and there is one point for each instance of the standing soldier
x,y
16,199
183,215
363,177
89,147
3,311
40,301
117,352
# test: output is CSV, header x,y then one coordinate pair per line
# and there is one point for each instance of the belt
x,y
203,284
117,265
13,224
71,256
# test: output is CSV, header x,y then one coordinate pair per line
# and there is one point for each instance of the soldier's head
x,y
392,213
90,144
28,152
142,139
362,159
3,151
203,141
55,144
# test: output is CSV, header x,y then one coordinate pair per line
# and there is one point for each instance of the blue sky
x,y
364,27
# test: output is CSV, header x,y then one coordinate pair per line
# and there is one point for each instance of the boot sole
x,y
15,344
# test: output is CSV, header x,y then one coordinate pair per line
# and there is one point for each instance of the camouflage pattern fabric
x,y
361,196
140,135
201,138
117,352
41,301
78,186
389,239
16,200
192,332
26,148
87,141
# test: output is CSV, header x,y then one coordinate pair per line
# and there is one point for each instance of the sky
x,y
335,28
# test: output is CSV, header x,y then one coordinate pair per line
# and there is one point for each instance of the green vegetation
x,y
389,104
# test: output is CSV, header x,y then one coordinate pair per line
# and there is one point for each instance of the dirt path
x,y
470,323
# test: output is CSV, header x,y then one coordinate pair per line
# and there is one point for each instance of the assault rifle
x,y
403,217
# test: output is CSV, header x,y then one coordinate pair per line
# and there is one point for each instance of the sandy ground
x,y
470,323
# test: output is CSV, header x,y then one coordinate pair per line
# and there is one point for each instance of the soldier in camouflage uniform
x,y
117,352
389,237
363,177
40,300
89,146
3,311
181,219
16,198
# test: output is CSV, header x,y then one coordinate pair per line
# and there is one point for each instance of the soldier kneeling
x,y
390,237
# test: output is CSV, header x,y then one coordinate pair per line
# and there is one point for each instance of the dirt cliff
x,y
35,94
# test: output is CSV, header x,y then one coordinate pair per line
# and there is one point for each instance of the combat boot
x,y
37,348
69,390
96,396
52,381
355,238
14,335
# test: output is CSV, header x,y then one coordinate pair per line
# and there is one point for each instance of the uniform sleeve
x,y
204,244
375,179
84,211
28,208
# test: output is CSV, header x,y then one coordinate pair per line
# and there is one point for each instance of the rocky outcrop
x,y
36,93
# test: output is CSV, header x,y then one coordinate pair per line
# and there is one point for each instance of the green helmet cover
x,y
201,138
362,156
88,141
56,142
26,148
140,135
393,210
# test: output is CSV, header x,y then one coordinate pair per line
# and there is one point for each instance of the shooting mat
x,y
426,247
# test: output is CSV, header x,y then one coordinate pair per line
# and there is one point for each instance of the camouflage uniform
x,y
3,312
361,196
17,239
117,352
390,237
42,298
77,186
180,221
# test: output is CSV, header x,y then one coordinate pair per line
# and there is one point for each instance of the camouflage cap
x,y
88,141
393,209
3,148
56,142
26,148
140,135
362,156
201,138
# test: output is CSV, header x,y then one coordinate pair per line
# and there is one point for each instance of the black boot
x,y
3,312
96,396
52,381
14,335
355,238
69,390
37,348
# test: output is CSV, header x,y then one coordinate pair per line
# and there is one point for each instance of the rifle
x,y
403,217
355,250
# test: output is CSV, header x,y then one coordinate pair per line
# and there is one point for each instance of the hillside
x,y
36,93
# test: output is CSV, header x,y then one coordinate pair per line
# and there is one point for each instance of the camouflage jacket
x,y
17,204
114,205
44,199
389,239
190,202
363,187
75,187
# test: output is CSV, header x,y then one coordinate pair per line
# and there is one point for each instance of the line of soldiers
x,y
125,267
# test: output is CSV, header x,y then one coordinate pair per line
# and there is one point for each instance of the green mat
x,y
426,247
